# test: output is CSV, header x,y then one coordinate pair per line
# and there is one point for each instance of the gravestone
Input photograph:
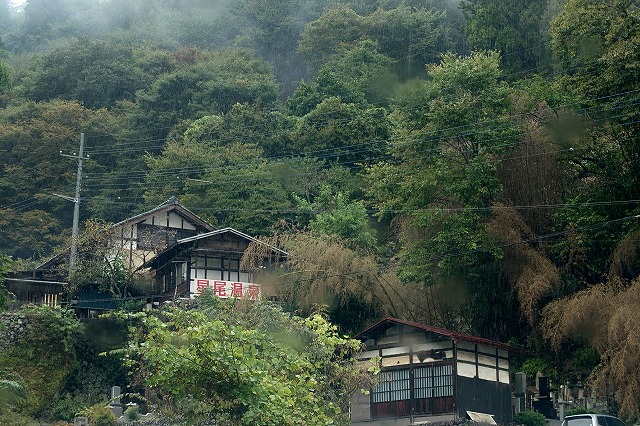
x,y
80,421
116,406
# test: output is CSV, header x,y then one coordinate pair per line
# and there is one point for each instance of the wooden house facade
x,y
174,254
147,234
432,374
213,261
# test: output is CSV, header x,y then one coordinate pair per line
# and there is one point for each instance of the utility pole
x,y
76,207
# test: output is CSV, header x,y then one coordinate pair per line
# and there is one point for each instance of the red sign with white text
x,y
227,289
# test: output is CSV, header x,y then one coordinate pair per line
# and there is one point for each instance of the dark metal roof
x,y
453,335
230,231
173,250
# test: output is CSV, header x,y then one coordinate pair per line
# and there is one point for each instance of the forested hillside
x,y
473,165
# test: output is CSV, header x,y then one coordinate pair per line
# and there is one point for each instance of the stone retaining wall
x,y
12,325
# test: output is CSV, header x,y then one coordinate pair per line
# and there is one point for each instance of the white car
x,y
592,420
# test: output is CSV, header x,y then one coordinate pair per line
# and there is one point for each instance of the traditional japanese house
x,y
174,253
145,235
432,374
213,260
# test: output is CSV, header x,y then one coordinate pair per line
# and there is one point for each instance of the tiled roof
x,y
454,335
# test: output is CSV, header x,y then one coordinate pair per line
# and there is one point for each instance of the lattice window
x,y
394,385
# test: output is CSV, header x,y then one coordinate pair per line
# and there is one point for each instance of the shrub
x,y
100,415
577,410
132,413
67,408
529,418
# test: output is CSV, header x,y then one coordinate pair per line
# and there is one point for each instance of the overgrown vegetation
x,y
473,165
245,363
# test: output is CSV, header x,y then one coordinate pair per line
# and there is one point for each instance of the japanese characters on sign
x,y
227,289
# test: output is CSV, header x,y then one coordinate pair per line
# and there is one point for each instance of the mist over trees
x,y
474,165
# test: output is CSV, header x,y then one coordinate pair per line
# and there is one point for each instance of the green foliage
x,y
67,408
355,74
270,130
32,135
236,366
334,214
516,30
97,73
132,413
205,83
447,166
529,418
100,415
5,80
343,133
532,366
412,36
230,184
10,391
594,40
44,358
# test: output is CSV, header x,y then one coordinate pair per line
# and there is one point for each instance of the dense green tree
x,y
274,32
5,82
410,36
515,29
340,26
354,75
228,184
30,234
98,73
247,364
31,171
270,130
594,41
205,83
452,129
343,133
222,169
334,214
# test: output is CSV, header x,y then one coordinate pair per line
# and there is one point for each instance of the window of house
x,y
220,268
421,389
393,386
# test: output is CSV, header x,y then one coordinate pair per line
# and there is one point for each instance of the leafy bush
x,y
529,418
577,410
67,408
43,358
100,415
132,413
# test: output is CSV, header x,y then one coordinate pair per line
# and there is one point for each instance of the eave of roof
x,y
454,335
171,204
175,247
232,231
